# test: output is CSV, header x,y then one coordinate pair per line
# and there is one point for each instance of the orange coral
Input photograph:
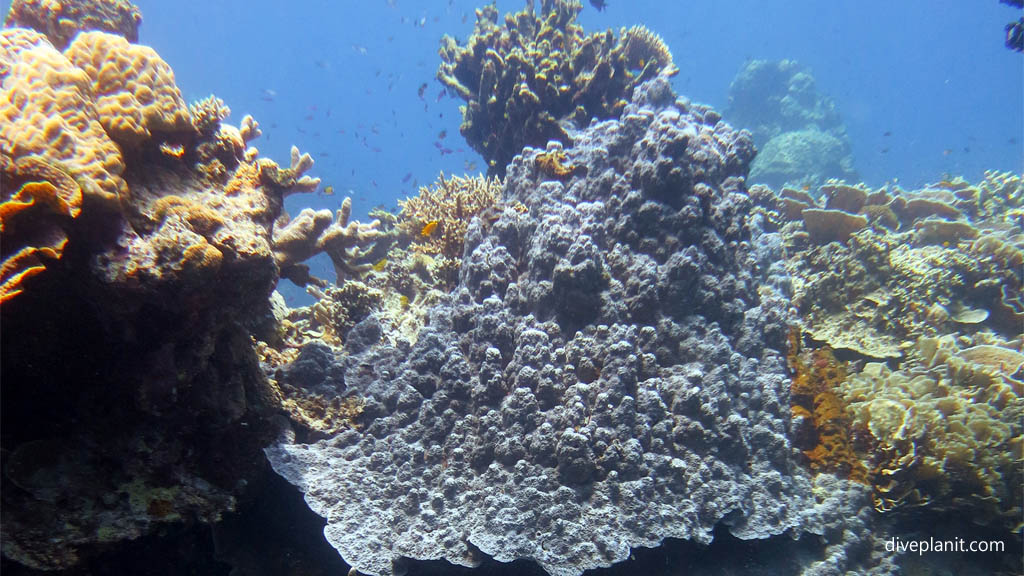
x,y
134,88
827,445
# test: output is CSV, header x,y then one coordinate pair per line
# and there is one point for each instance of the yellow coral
x,y
134,88
60,20
452,203
49,113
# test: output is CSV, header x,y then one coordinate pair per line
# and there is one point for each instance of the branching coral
x,y
315,231
447,206
521,79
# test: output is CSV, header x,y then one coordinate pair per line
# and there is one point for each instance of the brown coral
x,y
522,77
824,436
60,20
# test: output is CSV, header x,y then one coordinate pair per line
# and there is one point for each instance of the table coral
x,y
522,77
61,20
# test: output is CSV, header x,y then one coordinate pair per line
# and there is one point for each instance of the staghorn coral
x,y
452,203
61,20
134,89
521,78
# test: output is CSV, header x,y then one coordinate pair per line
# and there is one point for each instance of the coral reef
x,y
139,254
874,270
525,80
607,373
798,130
938,439
450,205
61,20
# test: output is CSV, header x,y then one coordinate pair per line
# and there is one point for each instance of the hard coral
x,y
312,232
49,112
134,88
523,78
60,20
452,204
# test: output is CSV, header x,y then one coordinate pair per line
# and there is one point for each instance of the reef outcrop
x,y
139,246
609,371
798,131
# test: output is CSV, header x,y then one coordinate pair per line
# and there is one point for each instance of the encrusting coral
x,y
522,78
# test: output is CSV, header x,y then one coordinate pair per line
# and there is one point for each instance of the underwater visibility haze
x,y
529,287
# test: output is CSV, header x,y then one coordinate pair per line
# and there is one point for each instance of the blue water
x,y
340,79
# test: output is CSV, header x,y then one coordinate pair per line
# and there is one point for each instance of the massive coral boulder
x,y
608,373
61,20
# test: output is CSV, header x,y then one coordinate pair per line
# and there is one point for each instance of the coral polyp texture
x,y
528,78
609,372
60,20
139,248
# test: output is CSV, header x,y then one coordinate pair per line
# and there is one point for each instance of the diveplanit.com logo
x,y
921,547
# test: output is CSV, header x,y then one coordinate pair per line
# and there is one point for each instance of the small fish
x,y
429,228
324,155
361,50
422,22
442,134
599,4
470,166
947,152
421,90
887,133
268,95
308,117
407,177
380,265
328,191
440,95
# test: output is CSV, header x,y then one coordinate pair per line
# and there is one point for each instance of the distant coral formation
x,y
528,78
798,131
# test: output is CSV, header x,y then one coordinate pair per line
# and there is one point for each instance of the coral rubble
x,y
523,78
608,373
